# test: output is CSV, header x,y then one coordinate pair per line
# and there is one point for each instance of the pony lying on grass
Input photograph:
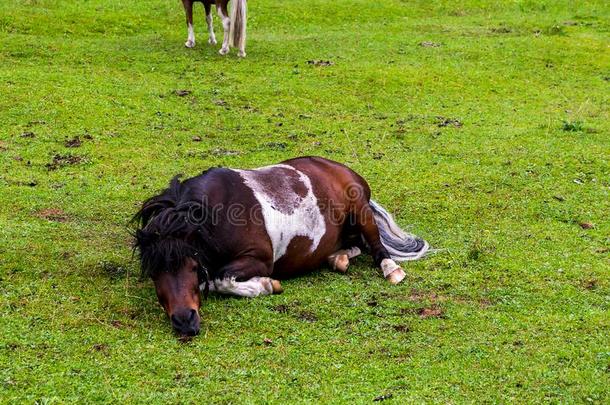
x,y
234,26
240,231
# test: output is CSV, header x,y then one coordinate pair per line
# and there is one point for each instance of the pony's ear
x,y
167,199
174,183
152,207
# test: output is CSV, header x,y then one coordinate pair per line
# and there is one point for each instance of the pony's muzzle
x,y
186,322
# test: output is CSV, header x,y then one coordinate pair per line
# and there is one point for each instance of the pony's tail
x,y
400,245
237,33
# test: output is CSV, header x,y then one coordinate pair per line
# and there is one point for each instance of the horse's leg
x,y
339,261
365,221
221,7
245,277
188,9
208,19
251,288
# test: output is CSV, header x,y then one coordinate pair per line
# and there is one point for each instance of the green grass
x,y
493,145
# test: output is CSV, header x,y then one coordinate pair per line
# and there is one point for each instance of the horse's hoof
x,y
340,263
396,276
212,41
276,286
189,44
223,51
241,54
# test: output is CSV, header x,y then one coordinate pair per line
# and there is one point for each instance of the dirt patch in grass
x,y
418,296
117,324
425,312
113,270
316,62
31,183
485,302
435,298
442,122
401,328
53,214
429,296
586,225
555,29
501,30
100,347
27,134
382,397
307,316
73,143
294,310
60,161
429,44
182,93
590,284
275,146
431,312
282,309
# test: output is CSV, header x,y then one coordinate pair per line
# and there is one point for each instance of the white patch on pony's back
x,y
287,213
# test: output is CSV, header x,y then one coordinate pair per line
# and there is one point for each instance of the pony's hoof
x,y
276,286
190,43
340,263
241,54
212,41
223,51
396,276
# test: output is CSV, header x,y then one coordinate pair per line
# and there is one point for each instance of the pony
x,y
240,232
234,26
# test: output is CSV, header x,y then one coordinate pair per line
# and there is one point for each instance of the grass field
x,y
484,127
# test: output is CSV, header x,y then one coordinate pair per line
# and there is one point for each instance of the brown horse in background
x,y
234,26
240,231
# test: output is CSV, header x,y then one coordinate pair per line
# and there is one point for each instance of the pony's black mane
x,y
168,233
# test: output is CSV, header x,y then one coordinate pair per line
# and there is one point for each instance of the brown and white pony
x,y
239,231
234,26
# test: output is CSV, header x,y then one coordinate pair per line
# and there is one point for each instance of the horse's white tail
x,y
237,34
400,245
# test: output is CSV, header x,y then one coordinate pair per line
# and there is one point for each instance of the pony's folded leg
x,y
250,288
